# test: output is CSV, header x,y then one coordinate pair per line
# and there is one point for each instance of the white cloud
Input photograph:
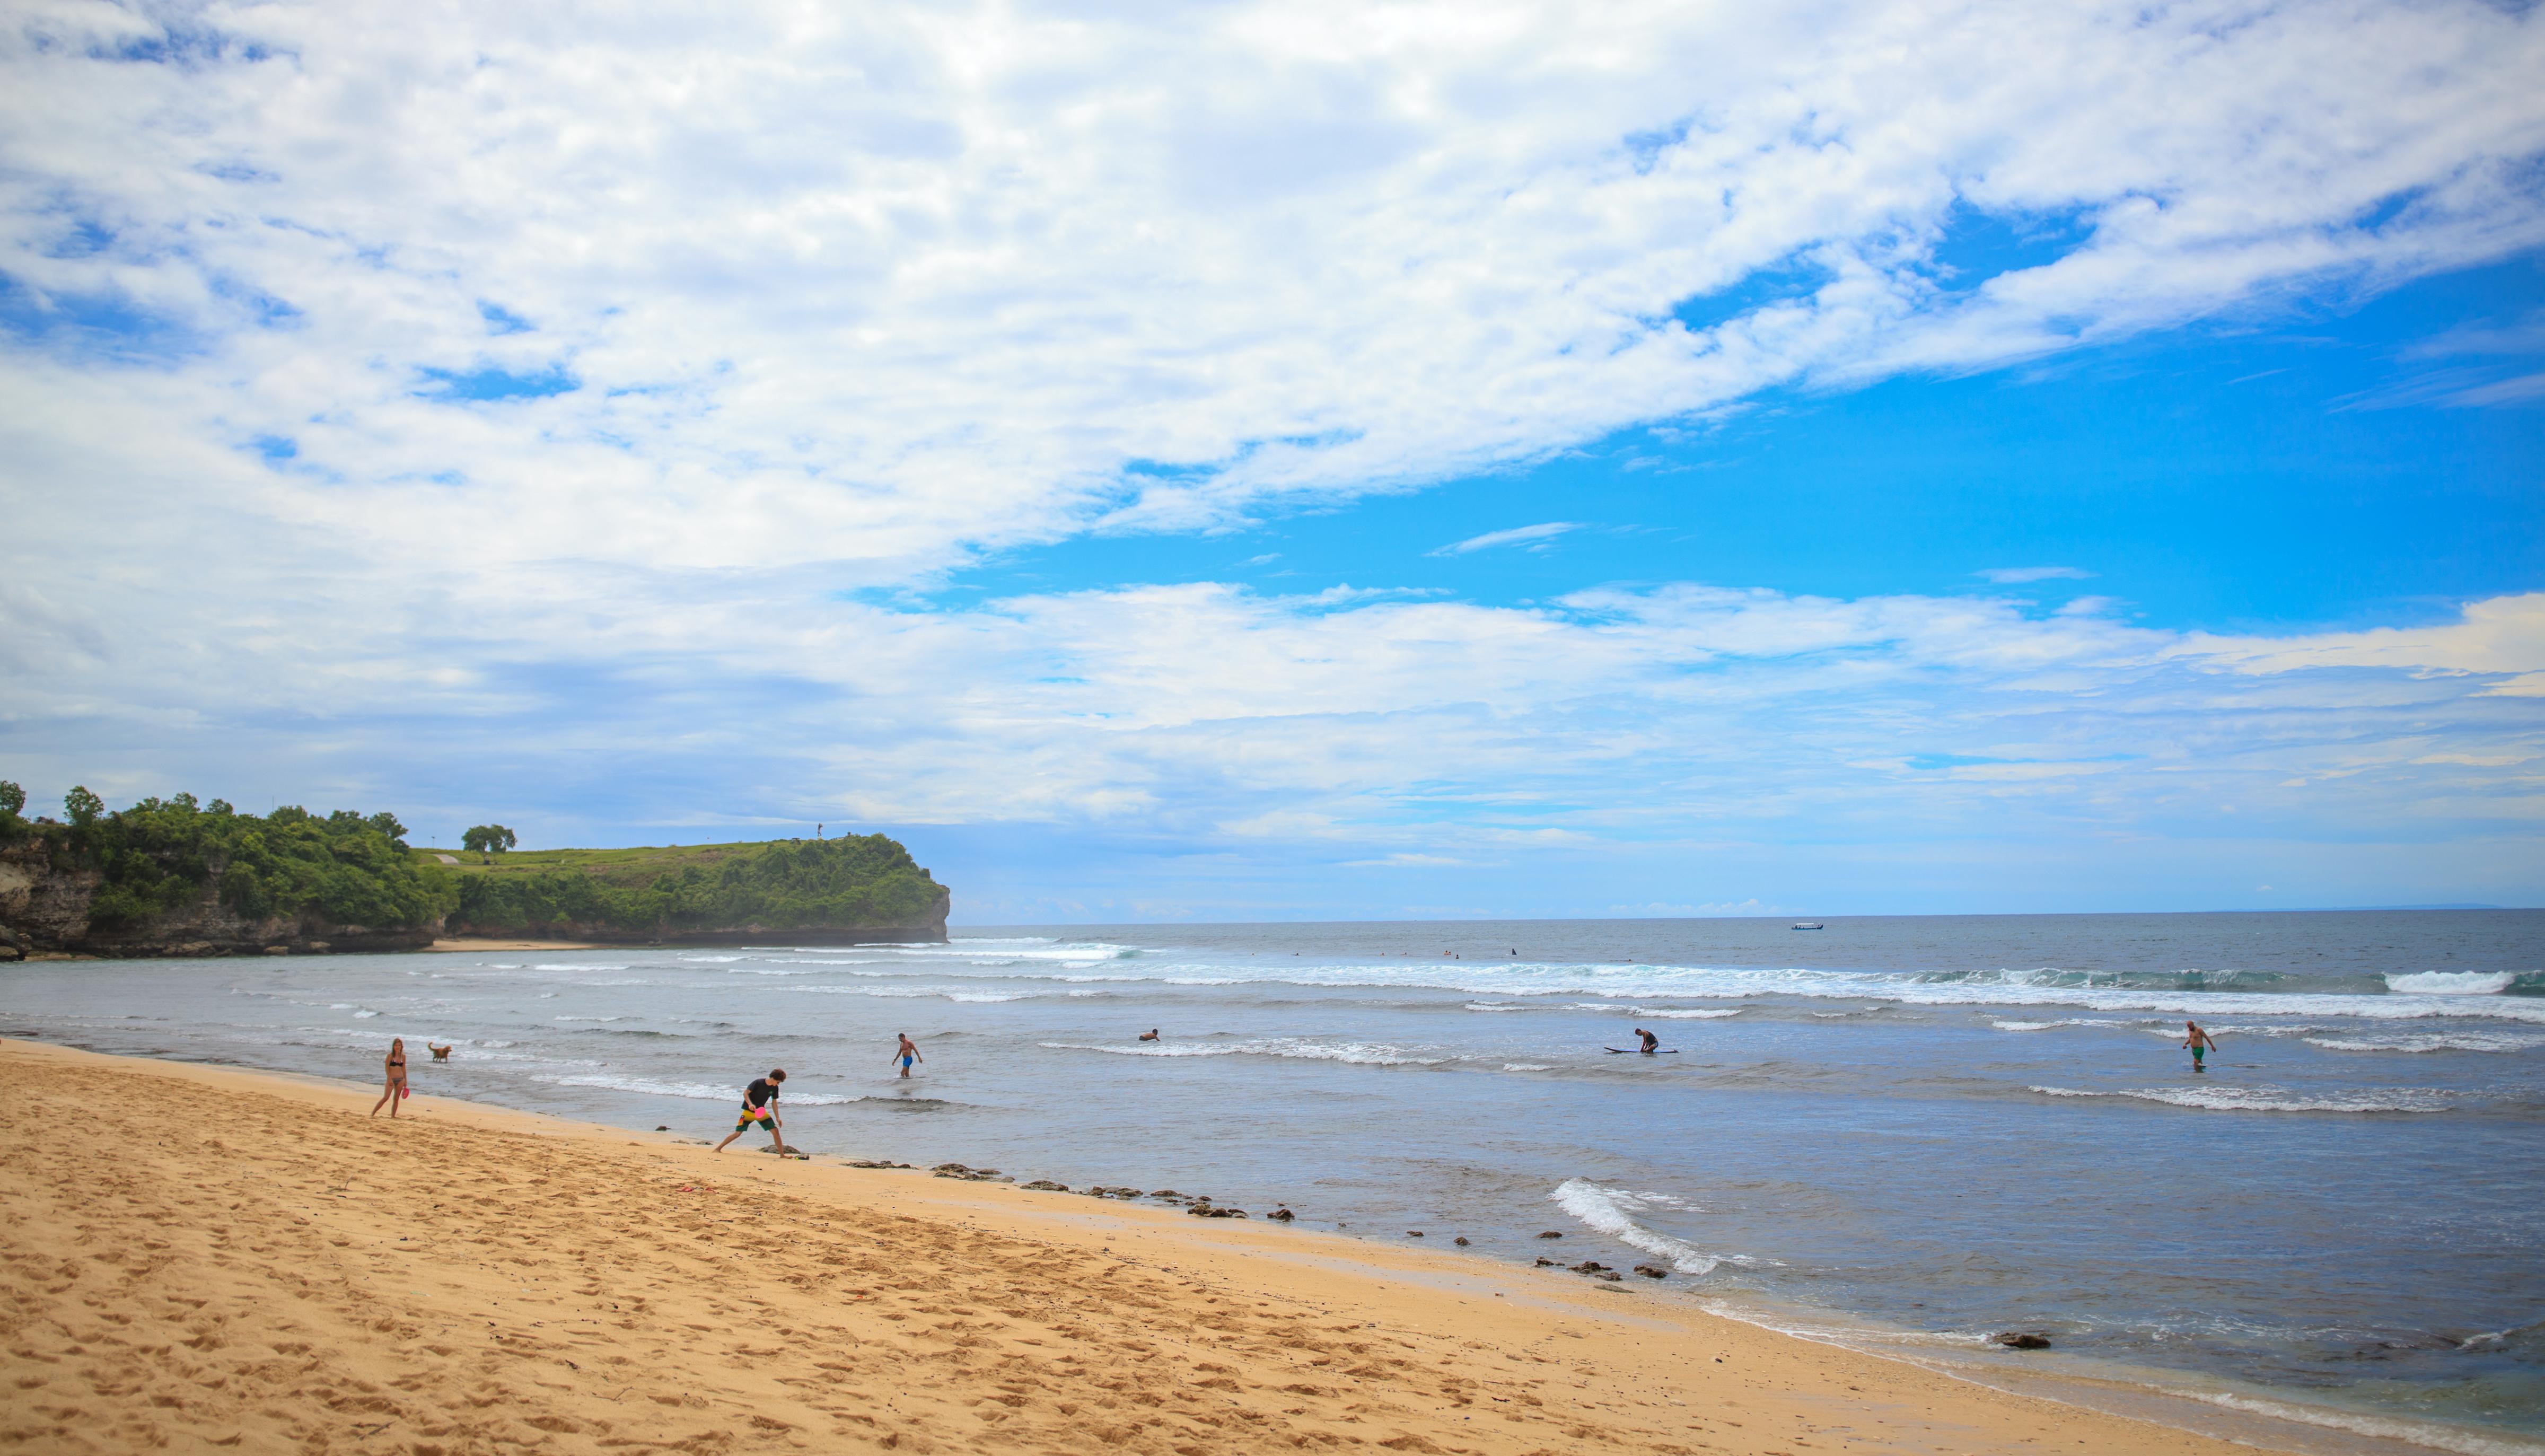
x,y
880,285
1518,535
2014,576
839,297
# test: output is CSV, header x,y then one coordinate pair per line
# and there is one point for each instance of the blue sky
x,y
1399,461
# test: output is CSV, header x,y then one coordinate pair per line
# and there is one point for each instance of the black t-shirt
x,y
760,1092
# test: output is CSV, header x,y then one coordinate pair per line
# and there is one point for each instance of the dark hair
x,y
778,1073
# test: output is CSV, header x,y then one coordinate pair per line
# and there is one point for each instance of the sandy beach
x,y
199,1256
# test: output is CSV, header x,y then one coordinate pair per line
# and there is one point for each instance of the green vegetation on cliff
x,y
159,857
787,884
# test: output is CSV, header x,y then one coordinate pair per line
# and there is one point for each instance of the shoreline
x,y
1312,1339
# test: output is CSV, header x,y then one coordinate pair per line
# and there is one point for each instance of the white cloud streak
x,y
1518,535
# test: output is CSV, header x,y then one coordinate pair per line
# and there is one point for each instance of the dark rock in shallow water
x,y
1649,1272
1544,1262
875,1163
1611,1276
1550,1233
969,1174
666,1127
1413,1232
2015,1340
1463,1241
785,1152
1282,1215
1166,1193
1590,1266
1204,1210
1046,1185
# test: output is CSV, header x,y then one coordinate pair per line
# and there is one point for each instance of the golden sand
x,y
199,1257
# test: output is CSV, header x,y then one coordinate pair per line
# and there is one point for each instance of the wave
x,y
2419,1432
1658,1014
2271,1099
1526,1067
2437,1041
1608,1211
697,1092
592,967
2450,983
1369,1054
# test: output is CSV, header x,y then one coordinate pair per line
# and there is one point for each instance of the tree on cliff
x,y
13,801
488,840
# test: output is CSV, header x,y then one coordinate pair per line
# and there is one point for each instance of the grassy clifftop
x,y
856,885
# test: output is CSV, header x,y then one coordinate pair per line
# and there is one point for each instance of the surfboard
x,y
1620,1051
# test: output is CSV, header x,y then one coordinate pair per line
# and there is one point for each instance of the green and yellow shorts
x,y
752,1117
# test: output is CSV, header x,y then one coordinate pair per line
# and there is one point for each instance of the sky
x,y
1250,462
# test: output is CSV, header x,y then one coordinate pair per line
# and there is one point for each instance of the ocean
x,y
1906,1133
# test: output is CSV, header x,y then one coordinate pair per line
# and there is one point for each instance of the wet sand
x,y
195,1256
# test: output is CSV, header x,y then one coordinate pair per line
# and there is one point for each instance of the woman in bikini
x,y
395,1067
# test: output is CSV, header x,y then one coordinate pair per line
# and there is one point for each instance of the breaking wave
x,y
2271,1099
1366,1054
1611,1211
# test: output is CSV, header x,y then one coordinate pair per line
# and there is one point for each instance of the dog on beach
x,y
440,1053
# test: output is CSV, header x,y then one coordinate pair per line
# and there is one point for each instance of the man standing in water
x,y
906,1053
2200,1043
760,1108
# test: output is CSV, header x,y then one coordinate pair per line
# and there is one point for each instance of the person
x,y
759,1110
395,1067
906,1053
1652,1043
2201,1042
1149,1035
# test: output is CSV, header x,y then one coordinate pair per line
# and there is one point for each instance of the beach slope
x,y
195,1256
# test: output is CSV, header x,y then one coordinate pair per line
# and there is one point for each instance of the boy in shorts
x,y
759,1110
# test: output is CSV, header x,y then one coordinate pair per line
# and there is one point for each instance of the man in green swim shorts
x,y
2201,1042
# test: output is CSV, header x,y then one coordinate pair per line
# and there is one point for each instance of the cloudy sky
x,y
1247,462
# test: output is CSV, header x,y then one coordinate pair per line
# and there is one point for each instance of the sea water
x,y
1912,1131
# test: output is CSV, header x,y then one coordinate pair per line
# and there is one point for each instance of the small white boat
x,y
1809,924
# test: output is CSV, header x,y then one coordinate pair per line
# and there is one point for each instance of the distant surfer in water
x,y
906,1053
2201,1042
1149,1035
1652,1043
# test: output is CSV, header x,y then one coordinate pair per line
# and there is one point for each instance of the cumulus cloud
x,y
516,399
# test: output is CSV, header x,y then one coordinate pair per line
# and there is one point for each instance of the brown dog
x,y
440,1053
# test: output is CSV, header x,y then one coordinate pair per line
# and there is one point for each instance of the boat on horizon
x,y
1809,924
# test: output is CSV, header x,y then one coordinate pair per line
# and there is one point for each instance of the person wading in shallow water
x,y
759,1110
2200,1043
395,1067
906,1053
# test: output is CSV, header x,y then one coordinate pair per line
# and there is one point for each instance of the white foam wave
x,y
711,959
592,967
596,1018
1499,1006
697,1092
1610,1211
1658,1014
2450,982
1526,1067
2419,1432
2437,1041
1363,1054
2271,1099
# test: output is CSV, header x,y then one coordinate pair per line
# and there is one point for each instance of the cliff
x,y
852,888
171,877
174,878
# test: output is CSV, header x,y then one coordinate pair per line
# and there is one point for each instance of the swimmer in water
x,y
2201,1042
1652,1043
906,1053
1149,1035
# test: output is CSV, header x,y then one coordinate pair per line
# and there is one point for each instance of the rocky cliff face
x,y
46,910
